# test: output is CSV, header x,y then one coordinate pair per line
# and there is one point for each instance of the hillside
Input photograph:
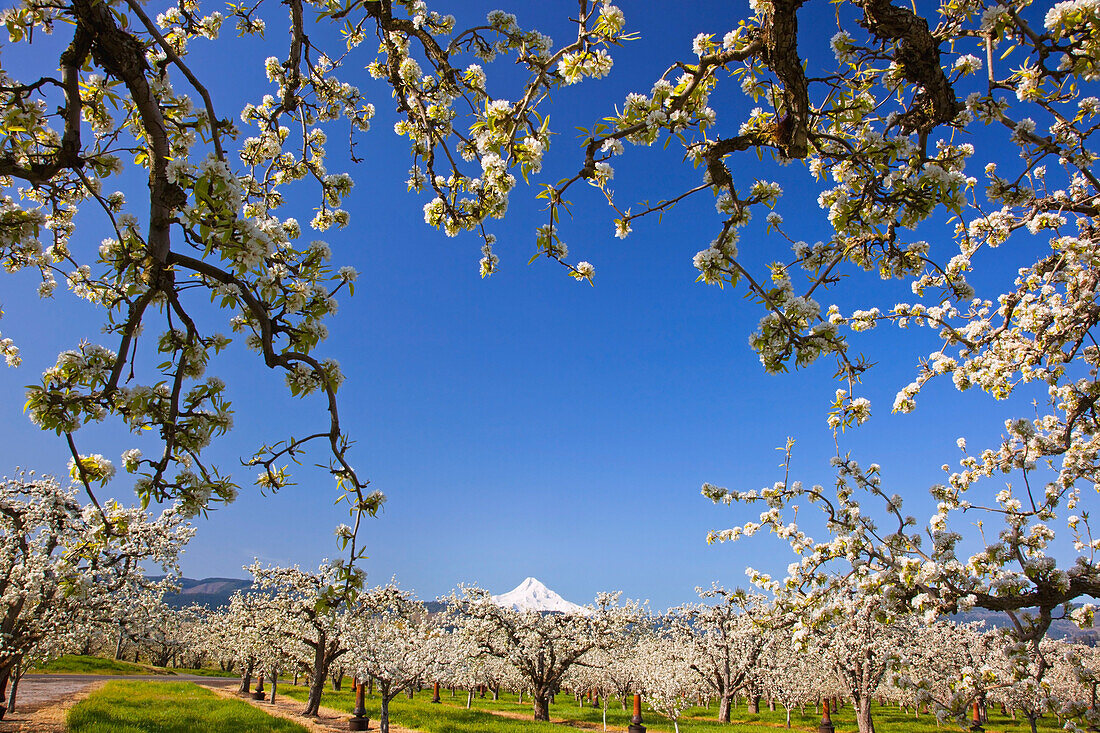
x,y
1059,629
212,592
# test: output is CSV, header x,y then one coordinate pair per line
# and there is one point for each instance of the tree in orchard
x,y
496,673
665,677
1085,662
861,646
260,632
615,670
1068,688
311,609
160,631
241,632
278,646
541,646
1024,670
949,666
611,672
61,562
790,673
218,638
461,663
208,225
391,639
725,640
204,641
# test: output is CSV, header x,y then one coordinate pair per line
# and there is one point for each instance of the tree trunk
x,y
118,644
274,684
469,698
384,716
17,675
5,675
723,708
863,715
246,678
313,702
496,692
540,697
14,689
754,704
321,662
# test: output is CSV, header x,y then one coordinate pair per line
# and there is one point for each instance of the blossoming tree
x,y
665,677
61,561
725,643
307,608
392,640
541,646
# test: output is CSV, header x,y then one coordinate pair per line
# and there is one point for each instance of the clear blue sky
x,y
529,424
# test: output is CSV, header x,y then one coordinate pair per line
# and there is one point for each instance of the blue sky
x,y
529,424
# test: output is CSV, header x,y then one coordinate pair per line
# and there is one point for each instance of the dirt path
x,y
526,716
47,713
588,725
328,721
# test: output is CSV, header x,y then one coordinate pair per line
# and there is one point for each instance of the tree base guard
x,y
634,728
358,723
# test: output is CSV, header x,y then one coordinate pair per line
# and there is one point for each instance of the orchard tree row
x,y
730,644
73,582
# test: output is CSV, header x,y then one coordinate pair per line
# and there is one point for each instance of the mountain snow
x,y
532,595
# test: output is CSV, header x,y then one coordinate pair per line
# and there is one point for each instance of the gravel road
x,y
36,690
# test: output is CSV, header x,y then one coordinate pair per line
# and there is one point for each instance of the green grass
x,y
169,707
452,716
203,672
77,664
421,715
887,719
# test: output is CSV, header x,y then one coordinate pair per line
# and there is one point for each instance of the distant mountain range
x,y
531,594
1059,629
210,592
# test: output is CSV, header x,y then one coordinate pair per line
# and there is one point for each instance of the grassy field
x,y
76,664
203,672
452,716
422,715
125,706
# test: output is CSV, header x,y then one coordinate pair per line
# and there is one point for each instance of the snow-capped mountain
x,y
532,595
